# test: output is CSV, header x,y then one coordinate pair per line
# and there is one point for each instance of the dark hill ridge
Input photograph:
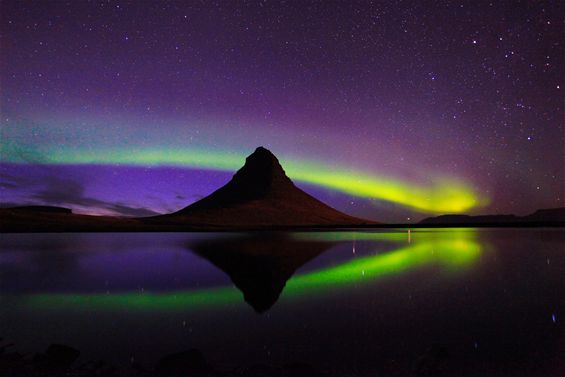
x,y
261,194
553,216
42,209
549,214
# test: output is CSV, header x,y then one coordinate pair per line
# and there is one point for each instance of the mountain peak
x,y
262,158
262,151
262,171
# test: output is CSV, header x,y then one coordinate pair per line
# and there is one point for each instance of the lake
x,y
453,302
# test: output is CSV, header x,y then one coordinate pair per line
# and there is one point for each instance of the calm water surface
x,y
474,302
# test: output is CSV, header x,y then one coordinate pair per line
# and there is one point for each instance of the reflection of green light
x,y
417,235
444,195
345,236
451,254
147,301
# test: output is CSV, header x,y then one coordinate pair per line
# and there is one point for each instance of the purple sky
x,y
409,91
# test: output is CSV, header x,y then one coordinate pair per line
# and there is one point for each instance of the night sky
x,y
387,110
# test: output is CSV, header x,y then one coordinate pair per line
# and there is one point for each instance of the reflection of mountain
x,y
259,265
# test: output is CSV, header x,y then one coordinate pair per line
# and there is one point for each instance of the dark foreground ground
x,y
60,360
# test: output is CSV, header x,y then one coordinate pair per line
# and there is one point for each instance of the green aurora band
x,y
458,251
443,195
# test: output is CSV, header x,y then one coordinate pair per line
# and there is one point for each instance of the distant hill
x,y
553,216
42,209
29,219
261,195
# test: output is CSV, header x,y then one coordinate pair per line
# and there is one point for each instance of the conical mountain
x,y
260,194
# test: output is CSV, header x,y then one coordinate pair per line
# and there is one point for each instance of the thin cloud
x,y
66,192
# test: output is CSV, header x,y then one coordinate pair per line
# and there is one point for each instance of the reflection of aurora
x,y
443,195
450,251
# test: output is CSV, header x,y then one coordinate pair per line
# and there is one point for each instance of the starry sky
x,y
392,111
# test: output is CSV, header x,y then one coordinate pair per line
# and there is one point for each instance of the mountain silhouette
x,y
261,194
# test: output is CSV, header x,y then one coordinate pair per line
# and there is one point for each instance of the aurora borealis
x,y
384,111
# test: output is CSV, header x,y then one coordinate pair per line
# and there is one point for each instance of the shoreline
x,y
154,228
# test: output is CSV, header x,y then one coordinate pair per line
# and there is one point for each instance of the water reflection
x,y
260,266
466,302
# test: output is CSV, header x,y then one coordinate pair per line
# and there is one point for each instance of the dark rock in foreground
x,y
58,357
59,361
182,363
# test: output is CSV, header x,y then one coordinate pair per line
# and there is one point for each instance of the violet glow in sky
x,y
410,93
